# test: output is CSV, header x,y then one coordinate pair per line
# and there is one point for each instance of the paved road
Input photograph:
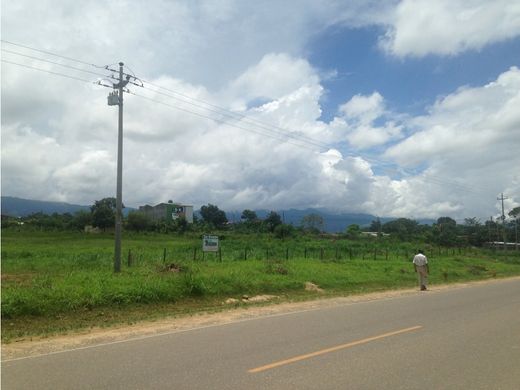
x,y
463,338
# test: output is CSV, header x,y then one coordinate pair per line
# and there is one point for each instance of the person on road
x,y
420,263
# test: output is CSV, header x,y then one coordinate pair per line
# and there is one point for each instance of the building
x,y
168,211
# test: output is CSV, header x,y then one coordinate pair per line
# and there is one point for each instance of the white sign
x,y
210,243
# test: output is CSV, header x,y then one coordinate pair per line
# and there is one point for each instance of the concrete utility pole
x,y
119,190
503,219
115,98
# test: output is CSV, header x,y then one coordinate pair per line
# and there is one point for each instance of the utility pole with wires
x,y
116,98
502,198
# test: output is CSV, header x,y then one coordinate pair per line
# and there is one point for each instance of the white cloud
x,y
449,27
59,136
469,142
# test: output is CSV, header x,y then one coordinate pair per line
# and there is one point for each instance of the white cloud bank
x,y
448,27
61,144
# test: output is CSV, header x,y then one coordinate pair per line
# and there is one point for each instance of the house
x,y
168,211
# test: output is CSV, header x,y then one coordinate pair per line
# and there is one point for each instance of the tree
x,y
445,231
353,231
211,214
81,219
249,216
138,221
283,231
405,229
104,213
375,226
272,221
515,213
313,223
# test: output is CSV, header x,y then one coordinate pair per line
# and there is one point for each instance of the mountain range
x,y
333,221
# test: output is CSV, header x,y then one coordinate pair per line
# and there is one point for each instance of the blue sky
x,y
405,108
410,85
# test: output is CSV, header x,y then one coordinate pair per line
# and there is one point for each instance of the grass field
x,y
55,282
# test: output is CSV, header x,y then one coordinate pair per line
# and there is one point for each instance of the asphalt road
x,y
463,338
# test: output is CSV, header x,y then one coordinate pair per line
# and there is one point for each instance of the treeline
x,y
445,231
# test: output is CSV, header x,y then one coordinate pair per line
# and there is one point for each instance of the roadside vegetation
x,y
57,278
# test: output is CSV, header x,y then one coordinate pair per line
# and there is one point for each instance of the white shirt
x,y
420,259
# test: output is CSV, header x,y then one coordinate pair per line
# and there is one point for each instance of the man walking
x,y
420,263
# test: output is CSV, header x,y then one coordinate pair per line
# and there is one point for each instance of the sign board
x,y
210,243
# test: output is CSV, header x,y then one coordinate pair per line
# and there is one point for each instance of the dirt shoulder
x,y
99,336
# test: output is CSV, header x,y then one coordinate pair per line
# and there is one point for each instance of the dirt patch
x,y
98,336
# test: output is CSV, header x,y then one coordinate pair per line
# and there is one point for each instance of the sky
x,y
405,108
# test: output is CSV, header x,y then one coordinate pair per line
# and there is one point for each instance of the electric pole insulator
x,y
113,99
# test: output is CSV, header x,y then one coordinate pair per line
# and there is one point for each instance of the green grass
x,y
55,282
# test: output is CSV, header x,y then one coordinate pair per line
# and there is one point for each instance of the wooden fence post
x,y
129,258
286,253
194,253
164,256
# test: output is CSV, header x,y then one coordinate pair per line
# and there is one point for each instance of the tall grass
x,y
45,274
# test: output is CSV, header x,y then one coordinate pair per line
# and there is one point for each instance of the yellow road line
x,y
332,349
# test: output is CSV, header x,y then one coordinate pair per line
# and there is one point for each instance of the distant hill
x,y
333,222
18,207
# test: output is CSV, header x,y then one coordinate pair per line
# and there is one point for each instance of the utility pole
x,y
115,98
503,219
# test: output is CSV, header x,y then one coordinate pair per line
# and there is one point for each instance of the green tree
x,y
445,231
81,219
104,213
138,221
515,213
313,223
403,228
283,230
353,231
272,221
375,226
249,216
212,215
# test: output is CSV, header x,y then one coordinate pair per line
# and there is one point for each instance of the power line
x,y
50,53
47,71
271,128
55,63
221,121
225,111
234,114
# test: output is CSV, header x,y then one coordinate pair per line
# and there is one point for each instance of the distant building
x,y
168,211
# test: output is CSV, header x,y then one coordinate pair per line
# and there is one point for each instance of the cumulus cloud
x,y
449,27
469,142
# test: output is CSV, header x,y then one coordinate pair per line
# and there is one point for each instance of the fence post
x,y
286,253
267,253
220,254
321,253
164,256
350,253
305,253
386,254
245,253
194,253
129,258
375,253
